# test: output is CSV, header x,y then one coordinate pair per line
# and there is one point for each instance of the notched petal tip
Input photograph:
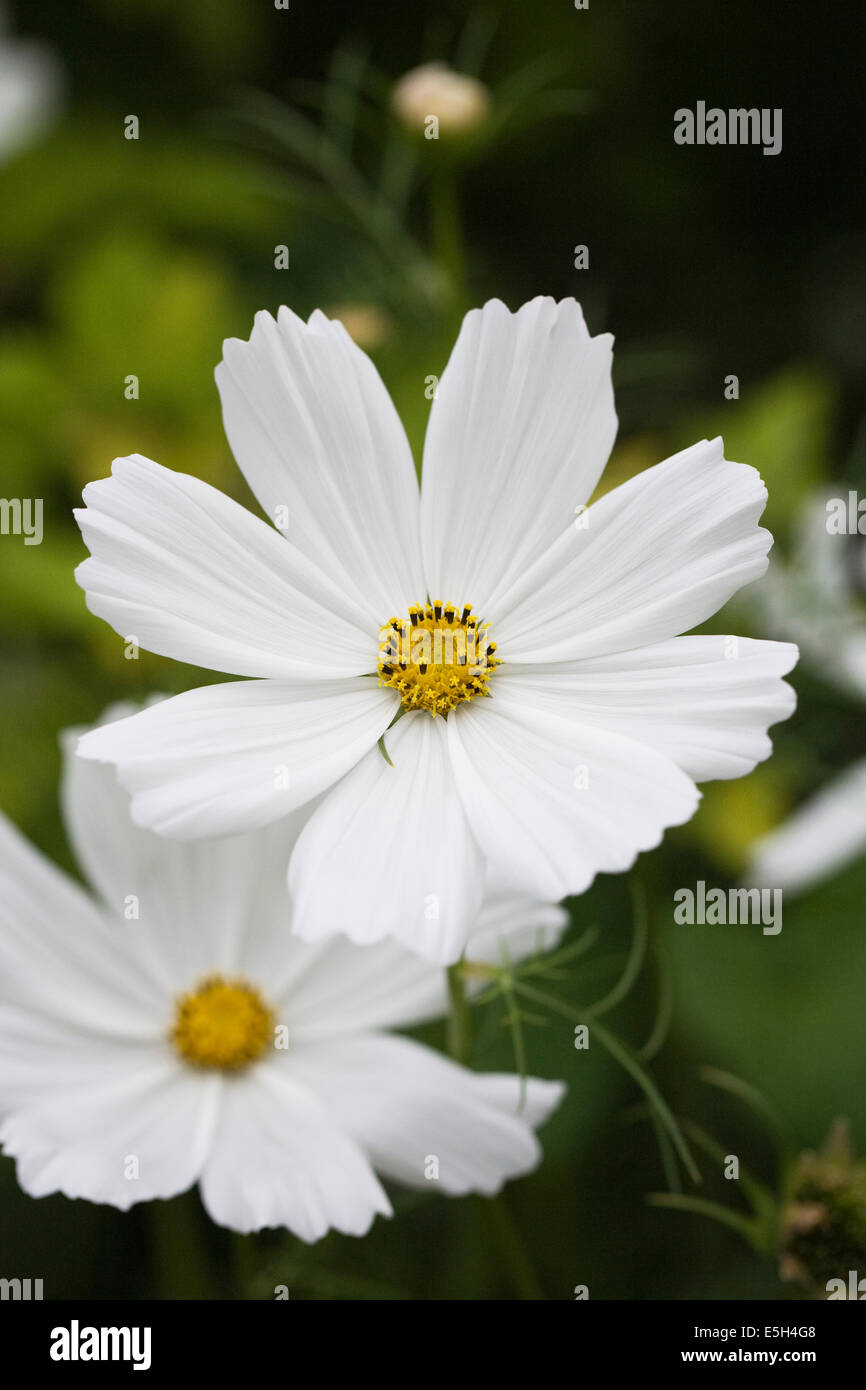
x,y
234,346
319,321
89,746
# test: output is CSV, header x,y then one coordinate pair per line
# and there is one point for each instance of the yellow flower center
x,y
223,1024
437,658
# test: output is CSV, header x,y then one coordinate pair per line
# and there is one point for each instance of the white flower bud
x,y
459,102
367,324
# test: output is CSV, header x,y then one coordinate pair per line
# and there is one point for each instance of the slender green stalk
x,y
459,1026
627,1061
745,1226
447,235
751,1096
246,1265
664,1010
515,1022
762,1201
504,1232
635,958
177,1234
668,1157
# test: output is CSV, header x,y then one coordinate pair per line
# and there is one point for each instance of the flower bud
x,y
367,324
824,1216
458,102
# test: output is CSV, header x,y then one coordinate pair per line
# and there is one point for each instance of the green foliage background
x,y
121,257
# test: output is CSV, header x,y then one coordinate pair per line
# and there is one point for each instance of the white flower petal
x,y
58,952
335,988
279,1159
188,573
228,758
553,803
658,555
514,926
314,430
31,81
184,910
389,853
519,432
706,702
813,599
822,836
76,1111
406,1104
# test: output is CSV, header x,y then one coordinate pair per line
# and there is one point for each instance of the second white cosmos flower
x,y
559,743
160,1031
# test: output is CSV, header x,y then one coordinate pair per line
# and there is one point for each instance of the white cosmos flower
x,y
816,599
563,754
820,838
459,102
142,1055
29,90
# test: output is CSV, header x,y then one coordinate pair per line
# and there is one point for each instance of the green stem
x,y
246,1266
510,1242
635,957
447,235
459,1027
622,1054
177,1233
515,1023
745,1226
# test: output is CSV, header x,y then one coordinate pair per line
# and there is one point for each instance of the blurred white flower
x,y
814,600
459,102
143,1028
561,750
824,835
366,324
30,82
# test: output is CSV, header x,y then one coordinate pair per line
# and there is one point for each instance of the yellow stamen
x,y
223,1024
437,658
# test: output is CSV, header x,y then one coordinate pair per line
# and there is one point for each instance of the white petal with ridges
x,y
334,988
389,852
182,910
657,556
405,1104
76,1110
314,430
706,702
552,803
513,926
188,573
61,955
280,1159
229,758
520,430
